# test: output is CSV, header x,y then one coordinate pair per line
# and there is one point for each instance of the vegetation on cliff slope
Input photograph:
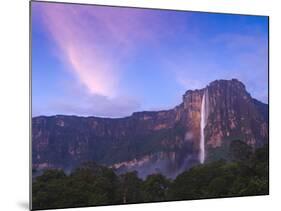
x,y
244,173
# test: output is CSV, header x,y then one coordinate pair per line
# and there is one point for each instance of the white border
x,y
14,86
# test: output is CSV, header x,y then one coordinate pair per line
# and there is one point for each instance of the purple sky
x,y
109,61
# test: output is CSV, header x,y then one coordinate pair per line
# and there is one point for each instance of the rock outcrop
x,y
166,142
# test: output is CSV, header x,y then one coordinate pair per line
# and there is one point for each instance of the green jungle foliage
x,y
244,173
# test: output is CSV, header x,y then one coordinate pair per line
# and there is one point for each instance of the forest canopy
x,y
245,174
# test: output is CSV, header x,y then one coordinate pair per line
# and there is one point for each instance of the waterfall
x,y
203,122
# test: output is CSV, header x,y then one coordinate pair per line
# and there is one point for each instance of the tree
x,y
96,184
131,188
256,186
48,190
155,188
239,151
246,173
193,183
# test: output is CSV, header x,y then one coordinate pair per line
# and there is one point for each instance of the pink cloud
x,y
94,41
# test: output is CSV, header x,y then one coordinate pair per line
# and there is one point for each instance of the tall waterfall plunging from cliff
x,y
203,122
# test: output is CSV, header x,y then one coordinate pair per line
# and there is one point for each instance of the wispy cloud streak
x,y
114,61
94,41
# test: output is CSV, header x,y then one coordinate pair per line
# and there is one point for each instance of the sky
x,y
110,61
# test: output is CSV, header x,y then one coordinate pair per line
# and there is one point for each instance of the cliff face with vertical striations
x,y
167,141
233,114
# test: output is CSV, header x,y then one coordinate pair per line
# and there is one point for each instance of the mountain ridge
x,y
167,140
